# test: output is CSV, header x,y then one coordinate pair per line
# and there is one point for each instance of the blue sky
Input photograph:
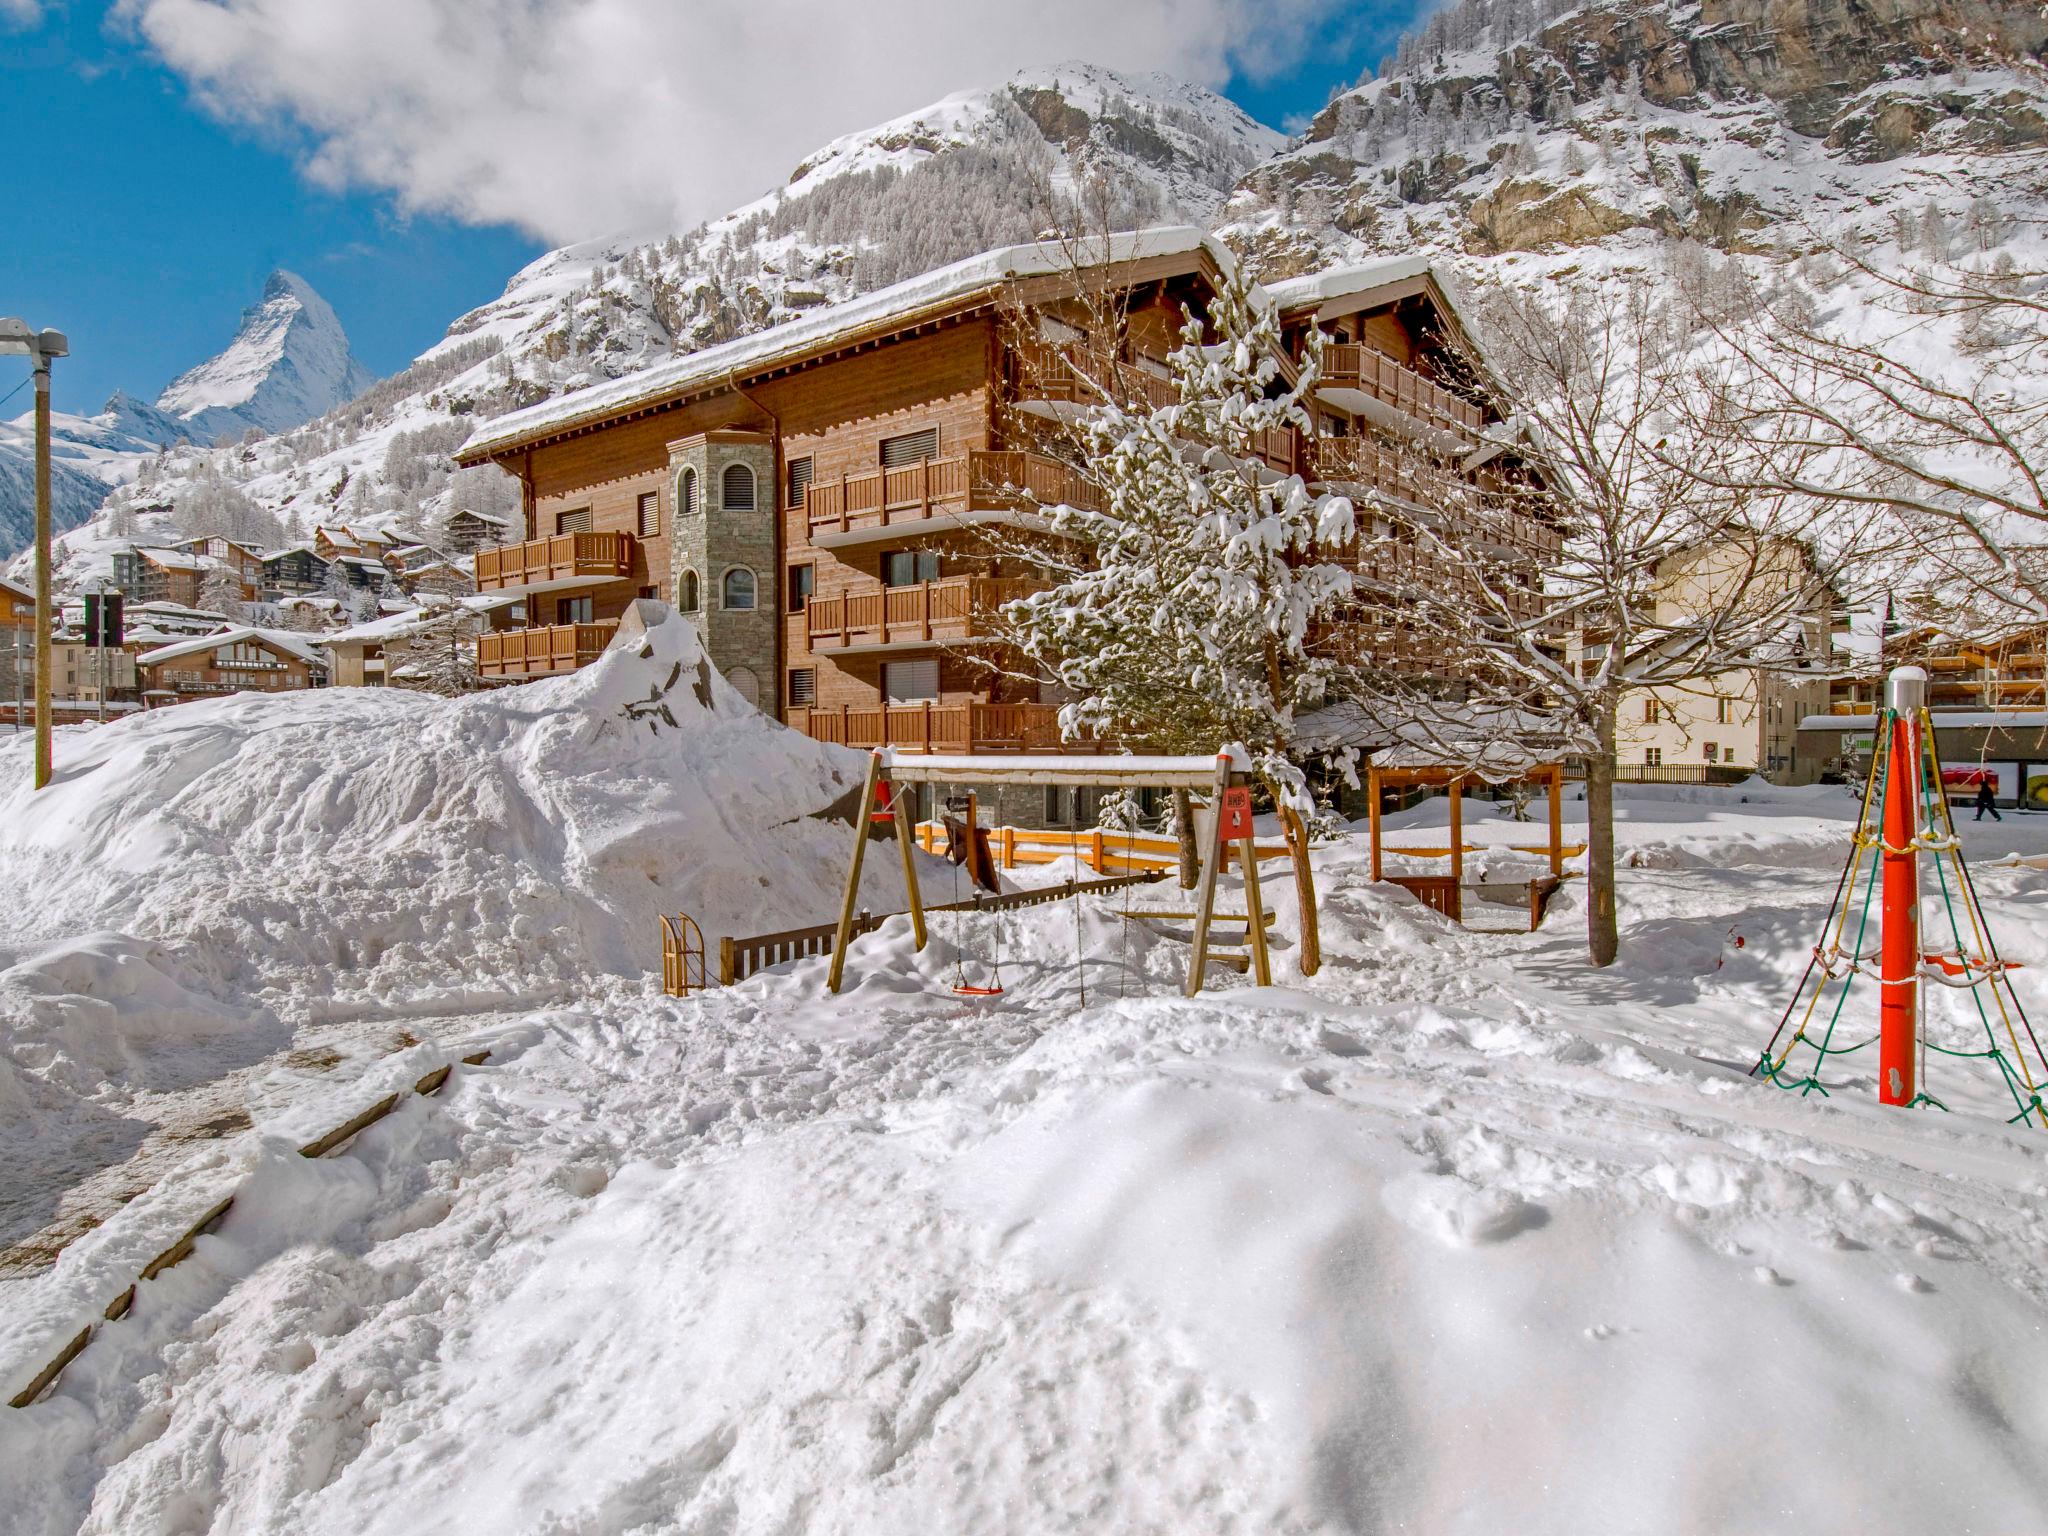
x,y
155,220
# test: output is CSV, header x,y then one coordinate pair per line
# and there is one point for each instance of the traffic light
x,y
103,619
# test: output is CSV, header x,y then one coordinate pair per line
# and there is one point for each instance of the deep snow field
x,y
1458,1235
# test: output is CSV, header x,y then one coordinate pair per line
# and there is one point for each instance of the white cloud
x,y
20,13
575,118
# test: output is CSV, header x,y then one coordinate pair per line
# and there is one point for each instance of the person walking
x,y
1986,800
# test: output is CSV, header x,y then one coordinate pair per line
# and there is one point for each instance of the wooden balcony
x,y
1073,373
1351,365
936,727
953,608
541,652
942,488
567,559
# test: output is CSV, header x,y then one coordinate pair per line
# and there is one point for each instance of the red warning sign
x,y
1237,813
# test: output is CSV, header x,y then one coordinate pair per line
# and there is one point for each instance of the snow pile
x,y
207,871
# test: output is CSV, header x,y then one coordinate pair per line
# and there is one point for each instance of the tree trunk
x,y
1184,830
1602,938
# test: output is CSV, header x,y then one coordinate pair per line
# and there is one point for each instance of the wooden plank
x,y
1212,859
1372,813
902,820
844,935
1262,965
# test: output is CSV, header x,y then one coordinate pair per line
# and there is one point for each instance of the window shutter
x,y
910,448
650,514
803,686
799,480
907,682
573,522
736,491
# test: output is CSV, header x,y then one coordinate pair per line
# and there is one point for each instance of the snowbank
x,y
198,881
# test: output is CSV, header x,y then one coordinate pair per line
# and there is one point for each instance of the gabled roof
x,y
946,289
291,642
26,594
483,517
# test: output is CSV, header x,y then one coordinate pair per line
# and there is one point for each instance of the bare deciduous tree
x,y
1662,560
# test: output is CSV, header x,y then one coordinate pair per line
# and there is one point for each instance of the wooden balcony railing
x,y
1351,365
1078,374
542,652
936,727
561,558
950,608
886,498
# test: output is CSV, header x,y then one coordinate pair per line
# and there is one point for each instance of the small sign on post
x,y
1236,813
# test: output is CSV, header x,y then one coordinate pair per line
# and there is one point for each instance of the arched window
x,y
739,588
747,684
738,491
686,493
686,592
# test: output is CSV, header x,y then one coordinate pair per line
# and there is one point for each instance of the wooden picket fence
x,y
740,958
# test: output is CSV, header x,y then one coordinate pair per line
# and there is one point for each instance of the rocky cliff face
x,y
1510,126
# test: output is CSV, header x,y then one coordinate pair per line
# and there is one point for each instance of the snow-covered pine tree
x,y
440,656
220,591
1182,601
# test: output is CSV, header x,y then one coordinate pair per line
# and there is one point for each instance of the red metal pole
x,y
1899,956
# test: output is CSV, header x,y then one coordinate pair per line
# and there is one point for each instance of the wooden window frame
x,y
794,495
790,690
725,480
647,515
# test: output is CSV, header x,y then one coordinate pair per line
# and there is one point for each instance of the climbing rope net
x,y
1970,967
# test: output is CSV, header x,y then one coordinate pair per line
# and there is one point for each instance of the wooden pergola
x,y
1445,893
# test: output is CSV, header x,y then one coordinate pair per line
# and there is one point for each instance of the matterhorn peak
x,y
289,362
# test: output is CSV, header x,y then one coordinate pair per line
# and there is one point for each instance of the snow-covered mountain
x,y
1508,126
1515,138
288,363
975,170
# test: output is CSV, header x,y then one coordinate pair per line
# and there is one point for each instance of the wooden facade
x,y
896,443
233,661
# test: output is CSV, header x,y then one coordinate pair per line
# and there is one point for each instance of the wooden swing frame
x,y
1228,768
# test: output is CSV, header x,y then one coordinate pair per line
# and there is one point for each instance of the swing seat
x,y
964,990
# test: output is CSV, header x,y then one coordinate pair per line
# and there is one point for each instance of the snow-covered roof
x,y
363,560
304,647
483,517
988,272
1342,282
18,589
172,559
291,549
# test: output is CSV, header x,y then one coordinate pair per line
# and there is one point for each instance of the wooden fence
x,y
740,958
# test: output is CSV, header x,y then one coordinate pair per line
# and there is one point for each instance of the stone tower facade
x,y
722,558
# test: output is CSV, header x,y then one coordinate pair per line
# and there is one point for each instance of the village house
x,y
17,605
465,531
1744,721
818,497
1988,700
236,659
291,571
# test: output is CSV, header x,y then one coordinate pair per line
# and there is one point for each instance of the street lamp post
x,y
40,347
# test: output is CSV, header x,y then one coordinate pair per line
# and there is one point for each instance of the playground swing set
x,y
1226,827
1906,816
